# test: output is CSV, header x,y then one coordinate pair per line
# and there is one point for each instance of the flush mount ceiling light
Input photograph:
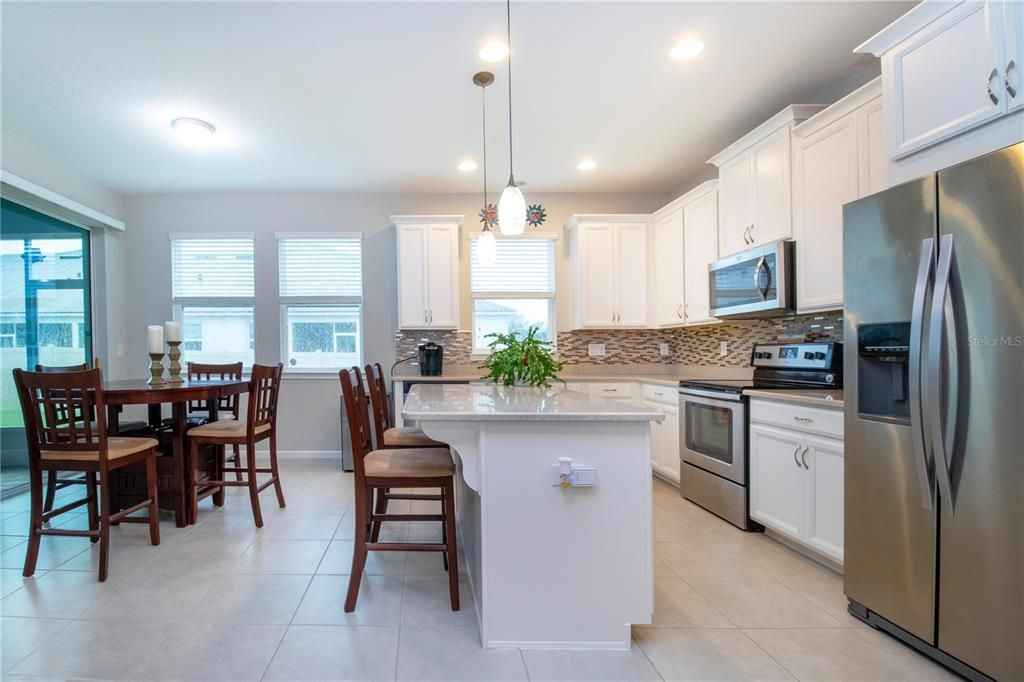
x,y
493,51
193,132
687,48
512,205
586,165
488,248
467,165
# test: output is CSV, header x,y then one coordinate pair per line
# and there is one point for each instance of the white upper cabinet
x,y
949,68
667,261
754,183
836,159
428,271
609,263
700,236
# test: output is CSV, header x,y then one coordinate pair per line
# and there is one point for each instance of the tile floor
x,y
222,600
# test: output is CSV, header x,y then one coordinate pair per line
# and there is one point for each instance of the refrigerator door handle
x,y
939,395
925,470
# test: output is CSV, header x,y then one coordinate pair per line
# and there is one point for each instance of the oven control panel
x,y
820,355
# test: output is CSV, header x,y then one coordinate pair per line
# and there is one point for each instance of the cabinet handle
x,y
1010,65
610,390
745,231
796,450
679,312
803,456
806,420
988,86
752,238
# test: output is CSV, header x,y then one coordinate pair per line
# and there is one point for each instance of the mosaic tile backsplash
x,y
687,345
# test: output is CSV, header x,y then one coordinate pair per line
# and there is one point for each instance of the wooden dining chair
x,y
54,481
260,424
227,406
56,407
377,470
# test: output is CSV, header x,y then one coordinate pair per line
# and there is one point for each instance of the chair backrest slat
x,y
201,371
356,411
55,406
264,389
378,402
63,369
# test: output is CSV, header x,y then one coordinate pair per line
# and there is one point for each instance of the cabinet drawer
x,y
611,390
577,386
800,417
661,394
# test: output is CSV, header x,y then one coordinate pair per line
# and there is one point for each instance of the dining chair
x,y
380,469
260,424
227,406
54,482
56,407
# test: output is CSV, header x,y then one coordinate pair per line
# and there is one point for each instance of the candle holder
x,y
174,355
156,369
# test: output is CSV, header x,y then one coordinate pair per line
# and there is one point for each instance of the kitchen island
x,y
549,566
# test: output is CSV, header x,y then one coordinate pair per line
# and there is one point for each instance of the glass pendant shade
x,y
487,248
512,211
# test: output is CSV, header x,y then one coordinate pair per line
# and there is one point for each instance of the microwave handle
x,y
757,278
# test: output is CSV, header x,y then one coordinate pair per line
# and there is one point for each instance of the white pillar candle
x,y
172,330
156,339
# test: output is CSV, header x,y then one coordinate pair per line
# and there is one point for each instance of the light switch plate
x,y
595,350
723,348
663,349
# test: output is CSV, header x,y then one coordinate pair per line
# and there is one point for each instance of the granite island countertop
x,y
640,373
814,397
487,402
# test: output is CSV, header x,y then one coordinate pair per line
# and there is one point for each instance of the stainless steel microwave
x,y
754,283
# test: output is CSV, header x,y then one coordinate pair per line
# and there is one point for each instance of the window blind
x,y
212,268
320,267
521,265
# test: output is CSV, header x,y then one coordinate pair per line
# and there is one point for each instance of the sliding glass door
x,y
45,315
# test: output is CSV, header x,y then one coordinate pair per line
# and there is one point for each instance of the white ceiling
x,y
377,96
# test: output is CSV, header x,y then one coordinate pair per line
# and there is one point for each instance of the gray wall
x,y
309,405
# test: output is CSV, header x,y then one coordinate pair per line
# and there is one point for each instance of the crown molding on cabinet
x,y
905,26
575,220
427,219
835,111
680,201
791,114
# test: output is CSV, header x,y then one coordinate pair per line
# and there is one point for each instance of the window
x,y
516,292
321,291
213,288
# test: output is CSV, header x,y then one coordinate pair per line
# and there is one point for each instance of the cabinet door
x,y
773,215
412,276
825,492
668,264
825,178
778,483
1013,69
700,236
734,205
937,81
443,276
596,272
631,275
670,441
657,438
872,154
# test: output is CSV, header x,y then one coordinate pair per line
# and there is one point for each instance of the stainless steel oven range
x,y
713,422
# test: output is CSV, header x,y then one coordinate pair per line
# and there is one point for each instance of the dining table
x,y
183,397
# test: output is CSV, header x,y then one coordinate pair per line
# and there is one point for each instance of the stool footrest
x,y
405,547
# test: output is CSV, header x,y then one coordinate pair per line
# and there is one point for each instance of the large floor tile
x,y
338,560
825,592
678,605
448,653
96,650
252,599
311,652
158,597
588,665
776,560
273,555
126,556
210,553
762,603
427,602
708,655
57,594
379,603
704,559
213,652
11,580
54,550
19,637
846,654
294,526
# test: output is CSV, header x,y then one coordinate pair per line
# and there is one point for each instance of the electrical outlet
x,y
120,351
595,350
663,349
723,348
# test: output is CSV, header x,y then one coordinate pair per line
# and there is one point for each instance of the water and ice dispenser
x,y
883,370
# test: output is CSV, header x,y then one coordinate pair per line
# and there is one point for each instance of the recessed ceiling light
x,y
494,51
193,132
586,165
467,165
687,49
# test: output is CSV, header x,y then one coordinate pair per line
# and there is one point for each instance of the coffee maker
x,y
431,359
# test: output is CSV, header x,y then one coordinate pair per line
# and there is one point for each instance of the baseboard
x,y
309,454
580,646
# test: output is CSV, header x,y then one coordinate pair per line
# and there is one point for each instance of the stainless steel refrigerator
x,y
934,434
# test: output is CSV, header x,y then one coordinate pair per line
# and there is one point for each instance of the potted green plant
x,y
521,360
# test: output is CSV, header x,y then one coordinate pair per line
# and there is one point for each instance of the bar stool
x,y
260,424
56,407
394,468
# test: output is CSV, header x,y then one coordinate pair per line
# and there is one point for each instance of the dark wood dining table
x,y
121,392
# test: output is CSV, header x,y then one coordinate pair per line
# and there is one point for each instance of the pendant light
x,y
512,205
487,249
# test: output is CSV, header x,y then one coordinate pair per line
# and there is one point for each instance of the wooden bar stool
x,y
57,407
394,468
260,424
227,407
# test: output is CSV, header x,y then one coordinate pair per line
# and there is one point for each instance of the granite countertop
x,y
477,402
817,398
646,374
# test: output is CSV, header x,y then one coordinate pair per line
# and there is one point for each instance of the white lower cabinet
x,y
664,434
796,475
